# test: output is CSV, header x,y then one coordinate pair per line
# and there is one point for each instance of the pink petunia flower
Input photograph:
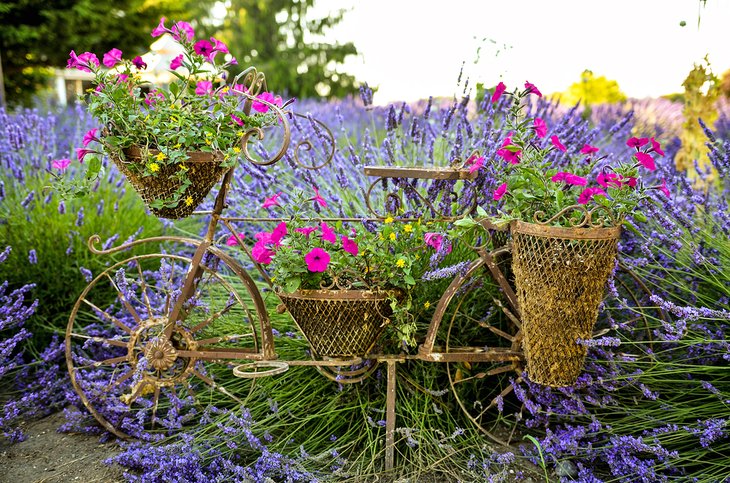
x,y
90,136
531,89
203,88
82,62
261,254
350,246
588,195
160,29
139,63
630,181
317,260
656,147
153,96
636,142
540,128
318,199
204,48
663,188
475,162
60,164
266,97
435,241
645,160
271,201
264,237
508,155
498,91
278,233
182,28
112,58
569,178
327,233
306,231
81,153
609,180
588,149
219,46
231,241
500,192
556,142
237,120
176,62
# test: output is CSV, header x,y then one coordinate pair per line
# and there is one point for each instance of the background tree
x,y
592,90
281,39
37,34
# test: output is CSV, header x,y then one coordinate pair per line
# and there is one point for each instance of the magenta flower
x,y
500,192
90,136
176,62
60,164
183,28
630,181
261,254
160,29
318,199
435,241
588,149
588,195
278,233
219,46
81,153
271,201
531,89
645,160
267,97
317,260
569,178
508,155
475,162
350,246
203,88
540,128
112,58
327,233
609,180
237,120
153,96
306,231
498,91
82,62
139,63
264,237
232,239
656,147
204,48
663,188
636,142
556,142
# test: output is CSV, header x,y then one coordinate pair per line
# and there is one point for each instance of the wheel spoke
x,y
124,300
213,317
143,286
112,319
215,386
102,340
114,384
226,338
156,400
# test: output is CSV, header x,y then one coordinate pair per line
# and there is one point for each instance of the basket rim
x,y
340,294
576,233
193,156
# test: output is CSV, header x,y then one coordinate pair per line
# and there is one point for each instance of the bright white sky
x,y
411,49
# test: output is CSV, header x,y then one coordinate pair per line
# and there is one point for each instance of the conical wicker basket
x,y
560,277
204,171
339,323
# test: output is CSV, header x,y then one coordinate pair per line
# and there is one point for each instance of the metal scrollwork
x,y
597,217
323,132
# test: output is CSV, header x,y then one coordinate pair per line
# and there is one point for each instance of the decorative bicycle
x,y
157,346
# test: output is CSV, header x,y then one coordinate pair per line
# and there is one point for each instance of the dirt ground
x,y
48,456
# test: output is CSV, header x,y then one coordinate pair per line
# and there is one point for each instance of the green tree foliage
x,y
281,39
592,90
37,34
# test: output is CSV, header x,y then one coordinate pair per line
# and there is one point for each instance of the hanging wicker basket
x,y
204,171
340,323
560,277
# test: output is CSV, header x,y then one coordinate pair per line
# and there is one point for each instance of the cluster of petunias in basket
x,y
545,178
198,108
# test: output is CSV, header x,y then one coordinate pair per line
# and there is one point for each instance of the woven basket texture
x,y
560,282
339,323
204,172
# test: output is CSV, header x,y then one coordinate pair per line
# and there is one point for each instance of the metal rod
x,y
390,417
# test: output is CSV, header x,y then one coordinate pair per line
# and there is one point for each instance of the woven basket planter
x,y
204,171
339,323
560,277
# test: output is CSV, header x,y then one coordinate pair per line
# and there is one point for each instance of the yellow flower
x,y
154,167
400,263
160,156
393,236
177,146
236,149
208,141
380,235
427,304
188,201
408,228
389,220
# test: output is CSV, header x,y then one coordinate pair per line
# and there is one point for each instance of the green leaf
x,y
640,217
291,284
465,223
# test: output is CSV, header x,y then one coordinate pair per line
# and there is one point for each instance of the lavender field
x,y
651,405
